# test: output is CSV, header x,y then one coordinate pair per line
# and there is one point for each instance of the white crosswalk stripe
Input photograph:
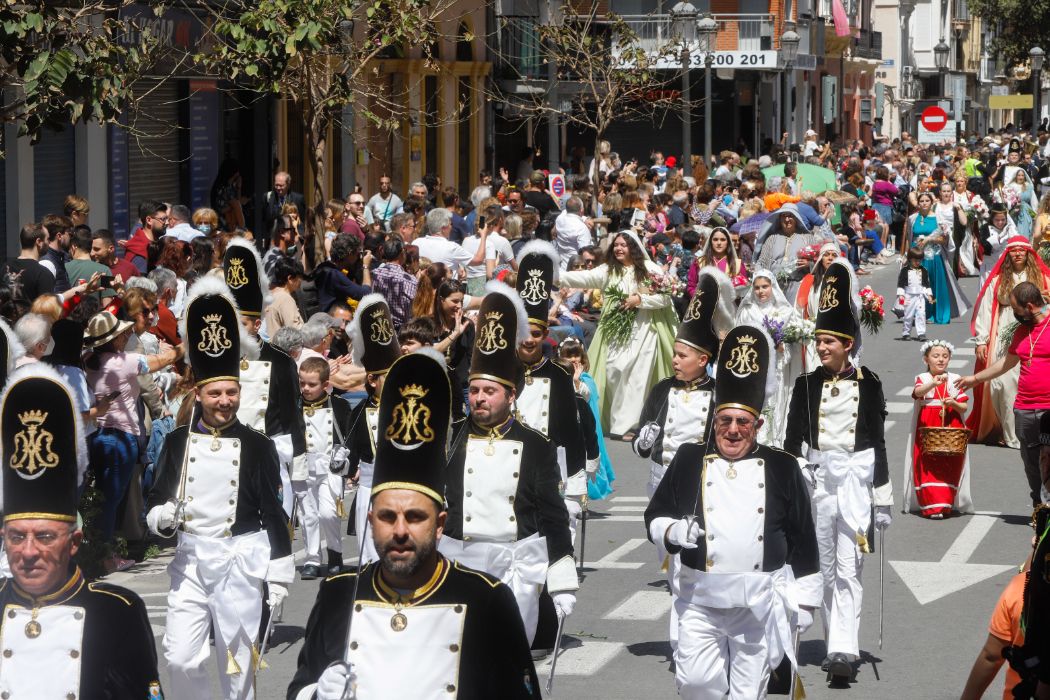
x,y
586,659
612,559
958,364
630,499
627,509
899,406
643,605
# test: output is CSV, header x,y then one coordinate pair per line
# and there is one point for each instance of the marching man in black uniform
x,y
414,625
60,636
738,513
547,401
218,487
839,412
679,408
505,515
270,398
375,347
318,480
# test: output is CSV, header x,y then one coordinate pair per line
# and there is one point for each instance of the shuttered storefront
x,y
54,171
154,170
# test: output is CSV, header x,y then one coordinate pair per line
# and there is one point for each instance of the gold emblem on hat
x,y
692,312
410,422
382,329
236,277
490,338
214,341
828,299
535,288
743,359
33,452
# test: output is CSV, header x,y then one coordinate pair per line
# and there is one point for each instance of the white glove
x,y
574,508
805,620
166,516
882,517
685,533
333,683
563,603
591,467
647,435
278,592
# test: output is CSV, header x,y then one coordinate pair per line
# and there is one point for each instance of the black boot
x,y
840,670
335,562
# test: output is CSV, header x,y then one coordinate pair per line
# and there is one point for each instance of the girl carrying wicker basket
x,y
936,461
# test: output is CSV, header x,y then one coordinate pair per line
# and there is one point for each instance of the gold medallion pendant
x,y
398,622
528,379
834,391
490,450
731,472
215,444
33,629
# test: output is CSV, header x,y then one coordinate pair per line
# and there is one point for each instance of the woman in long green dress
x,y
625,370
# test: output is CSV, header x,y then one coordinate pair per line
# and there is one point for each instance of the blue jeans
x,y
114,454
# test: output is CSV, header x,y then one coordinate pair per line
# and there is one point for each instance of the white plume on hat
x,y
724,316
46,371
212,285
497,287
540,247
264,279
357,339
14,345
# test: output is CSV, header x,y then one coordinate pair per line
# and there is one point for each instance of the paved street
x,y
941,578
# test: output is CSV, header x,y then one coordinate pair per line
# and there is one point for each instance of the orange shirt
x,y
1006,624
774,200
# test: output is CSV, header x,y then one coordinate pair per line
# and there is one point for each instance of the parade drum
x,y
944,441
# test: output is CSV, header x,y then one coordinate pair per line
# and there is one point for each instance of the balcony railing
x,y
519,48
739,32
869,45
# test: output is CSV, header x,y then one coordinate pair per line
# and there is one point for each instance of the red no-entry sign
x,y
934,118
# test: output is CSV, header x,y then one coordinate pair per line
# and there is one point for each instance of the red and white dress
x,y
936,484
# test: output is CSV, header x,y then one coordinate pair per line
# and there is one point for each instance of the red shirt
x,y
125,269
1032,346
167,328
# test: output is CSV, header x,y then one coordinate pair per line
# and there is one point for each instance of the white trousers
x,y
191,610
914,313
318,495
674,563
840,567
720,652
363,530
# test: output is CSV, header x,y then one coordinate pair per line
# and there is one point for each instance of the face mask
x,y
204,228
50,346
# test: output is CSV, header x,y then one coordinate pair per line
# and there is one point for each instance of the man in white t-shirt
x,y
809,145
437,248
498,250
571,231
383,204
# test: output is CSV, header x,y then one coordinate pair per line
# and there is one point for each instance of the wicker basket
x,y
947,442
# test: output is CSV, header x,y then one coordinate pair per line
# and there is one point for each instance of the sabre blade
x,y
882,580
557,650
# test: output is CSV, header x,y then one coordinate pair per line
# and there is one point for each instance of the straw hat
x,y
102,328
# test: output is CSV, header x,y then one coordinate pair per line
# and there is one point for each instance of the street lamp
x,y
683,28
789,42
940,59
707,29
1036,55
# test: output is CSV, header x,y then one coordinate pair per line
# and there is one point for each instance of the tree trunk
x,y
317,139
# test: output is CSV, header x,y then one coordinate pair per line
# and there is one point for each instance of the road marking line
x,y
612,559
628,509
630,499
620,519
158,630
906,391
643,605
888,424
899,406
155,594
967,541
958,364
584,660
967,350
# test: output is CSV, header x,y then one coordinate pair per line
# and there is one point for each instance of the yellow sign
x,y
1010,102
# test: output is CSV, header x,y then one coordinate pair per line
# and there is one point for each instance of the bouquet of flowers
x,y
810,252
1008,196
786,327
979,208
617,321
872,312
663,284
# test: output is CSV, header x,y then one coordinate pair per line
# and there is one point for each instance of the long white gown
x,y
788,364
625,374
